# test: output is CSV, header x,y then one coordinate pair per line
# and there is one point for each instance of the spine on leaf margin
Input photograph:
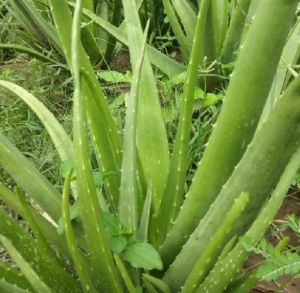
x,y
251,79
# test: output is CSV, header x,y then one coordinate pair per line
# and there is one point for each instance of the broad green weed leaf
x,y
142,255
114,76
118,243
65,167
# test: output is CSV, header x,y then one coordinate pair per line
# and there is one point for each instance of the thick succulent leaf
x,y
220,23
289,57
35,22
229,266
151,137
29,273
162,286
177,29
13,277
29,178
80,264
173,196
128,204
6,287
245,98
125,275
205,262
52,273
187,16
48,228
145,217
100,255
235,31
107,142
257,173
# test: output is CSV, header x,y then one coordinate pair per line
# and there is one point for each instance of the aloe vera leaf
x,y
11,200
187,16
173,196
251,79
101,36
49,271
108,140
23,171
6,287
31,52
13,277
38,233
165,64
229,266
151,132
87,37
159,284
125,275
235,31
31,275
220,23
206,260
128,203
58,135
177,29
81,268
289,57
43,28
97,242
110,162
145,217
115,20
257,173
90,45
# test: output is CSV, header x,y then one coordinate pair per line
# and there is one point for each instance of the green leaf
x,y
114,76
118,244
113,226
142,255
211,99
65,167
74,214
30,274
178,79
77,256
98,179
6,287
151,132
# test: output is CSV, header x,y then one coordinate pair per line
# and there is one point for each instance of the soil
x,y
121,62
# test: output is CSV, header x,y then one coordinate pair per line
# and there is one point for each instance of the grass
x,y
20,124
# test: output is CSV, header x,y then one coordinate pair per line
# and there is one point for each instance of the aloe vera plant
x,y
132,235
